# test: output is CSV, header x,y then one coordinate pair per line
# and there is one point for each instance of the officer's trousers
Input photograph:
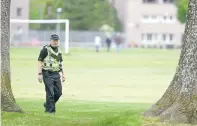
x,y
53,88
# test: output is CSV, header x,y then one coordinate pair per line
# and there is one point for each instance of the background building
x,y
145,22
150,22
19,10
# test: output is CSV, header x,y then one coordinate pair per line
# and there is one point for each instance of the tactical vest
x,y
52,61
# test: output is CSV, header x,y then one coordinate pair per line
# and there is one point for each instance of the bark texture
x,y
179,102
7,98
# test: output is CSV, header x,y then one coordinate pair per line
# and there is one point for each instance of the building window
x,y
167,37
164,37
150,19
150,1
171,37
165,18
171,18
18,12
145,17
158,19
168,1
168,19
149,37
157,37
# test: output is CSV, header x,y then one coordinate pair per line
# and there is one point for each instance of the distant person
x,y
108,42
49,68
18,36
118,41
97,42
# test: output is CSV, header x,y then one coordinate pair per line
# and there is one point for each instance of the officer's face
x,y
54,43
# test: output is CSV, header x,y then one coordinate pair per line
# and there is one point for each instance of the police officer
x,y
50,71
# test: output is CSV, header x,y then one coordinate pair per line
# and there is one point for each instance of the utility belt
x,y
49,71
51,74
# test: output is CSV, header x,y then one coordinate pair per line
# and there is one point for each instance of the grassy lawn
x,y
102,89
76,113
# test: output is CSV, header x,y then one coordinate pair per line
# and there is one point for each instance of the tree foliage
x,y
83,14
182,7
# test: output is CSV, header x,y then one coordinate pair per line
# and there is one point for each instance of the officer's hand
x,y
63,78
40,78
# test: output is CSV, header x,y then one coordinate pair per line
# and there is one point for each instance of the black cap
x,y
54,37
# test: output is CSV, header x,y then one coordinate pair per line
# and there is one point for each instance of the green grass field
x,y
102,89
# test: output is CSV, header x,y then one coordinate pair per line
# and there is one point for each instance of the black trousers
x,y
53,88
108,46
97,48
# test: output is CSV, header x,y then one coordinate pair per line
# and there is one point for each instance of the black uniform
x,y
108,41
52,81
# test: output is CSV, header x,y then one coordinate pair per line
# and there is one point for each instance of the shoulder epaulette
x,y
46,46
59,50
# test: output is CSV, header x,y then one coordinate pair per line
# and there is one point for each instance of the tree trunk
x,y
179,102
7,98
